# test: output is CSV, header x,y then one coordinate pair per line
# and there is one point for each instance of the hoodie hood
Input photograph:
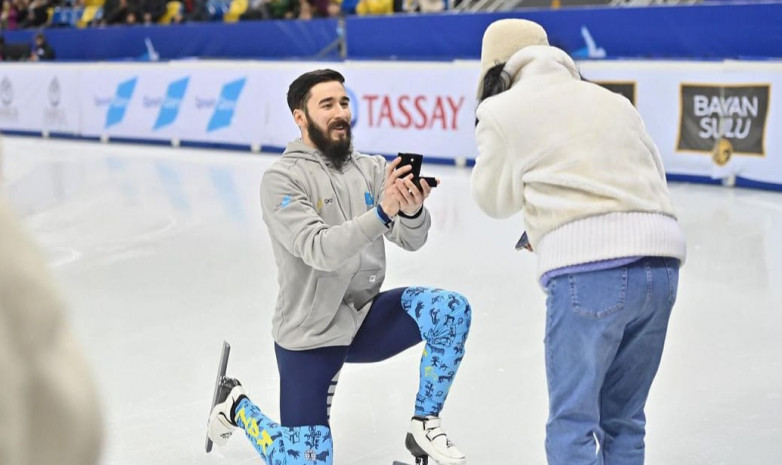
x,y
297,149
540,60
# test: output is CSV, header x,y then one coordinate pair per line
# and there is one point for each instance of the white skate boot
x,y
426,438
221,424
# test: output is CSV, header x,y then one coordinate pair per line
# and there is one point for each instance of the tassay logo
x,y
169,109
410,111
119,105
226,105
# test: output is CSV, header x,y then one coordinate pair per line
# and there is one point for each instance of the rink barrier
x,y
710,120
738,181
735,30
264,149
745,30
241,40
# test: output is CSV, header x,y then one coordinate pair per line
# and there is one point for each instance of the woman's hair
x,y
496,81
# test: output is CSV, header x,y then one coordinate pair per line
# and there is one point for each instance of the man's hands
x,y
401,194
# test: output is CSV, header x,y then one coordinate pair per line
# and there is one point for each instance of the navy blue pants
x,y
397,320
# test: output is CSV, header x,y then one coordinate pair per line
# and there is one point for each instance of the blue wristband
x,y
382,215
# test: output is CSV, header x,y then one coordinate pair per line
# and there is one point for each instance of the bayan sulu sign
x,y
734,113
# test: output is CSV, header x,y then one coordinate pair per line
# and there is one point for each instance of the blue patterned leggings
x,y
397,320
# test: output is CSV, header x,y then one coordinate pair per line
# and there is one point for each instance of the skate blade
x,y
220,375
418,460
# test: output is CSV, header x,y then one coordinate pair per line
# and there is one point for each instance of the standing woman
x,y
577,159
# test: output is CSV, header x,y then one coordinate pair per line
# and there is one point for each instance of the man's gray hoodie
x,y
328,243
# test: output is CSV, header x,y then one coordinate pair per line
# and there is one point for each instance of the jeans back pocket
x,y
597,294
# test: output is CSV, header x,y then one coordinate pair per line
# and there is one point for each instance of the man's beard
x,y
336,151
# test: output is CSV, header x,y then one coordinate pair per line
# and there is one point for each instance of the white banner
x,y
39,97
422,108
223,105
113,101
708,119
194,103
426,108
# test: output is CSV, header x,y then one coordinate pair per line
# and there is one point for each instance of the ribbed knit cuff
x,y
614,235
413,216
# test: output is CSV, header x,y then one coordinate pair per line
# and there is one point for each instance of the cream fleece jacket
x,y
49,410
578,160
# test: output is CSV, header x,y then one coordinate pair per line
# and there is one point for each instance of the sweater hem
x,y
611,236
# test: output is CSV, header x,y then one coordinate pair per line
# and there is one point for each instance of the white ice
x,y
162,254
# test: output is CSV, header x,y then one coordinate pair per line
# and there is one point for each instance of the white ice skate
x,y
227,392
221,425
426,439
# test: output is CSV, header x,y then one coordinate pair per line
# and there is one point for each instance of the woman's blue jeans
x,y
605,332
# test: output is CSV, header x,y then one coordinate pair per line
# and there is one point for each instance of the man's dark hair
x,y
299,90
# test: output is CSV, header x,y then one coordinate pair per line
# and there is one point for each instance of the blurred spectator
x,y
306,10
42,51
22,8
422,6
326,8
348,7
134,12
179,17
282,9
2,48
375,7
9,18
334,8
256,9
37,14
431,6
150,11
198,10
116,12
187,8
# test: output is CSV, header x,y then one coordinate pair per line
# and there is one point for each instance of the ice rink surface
x,y
162,254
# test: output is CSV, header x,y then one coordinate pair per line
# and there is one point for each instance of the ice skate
x,y
426,439
221,425
227,393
